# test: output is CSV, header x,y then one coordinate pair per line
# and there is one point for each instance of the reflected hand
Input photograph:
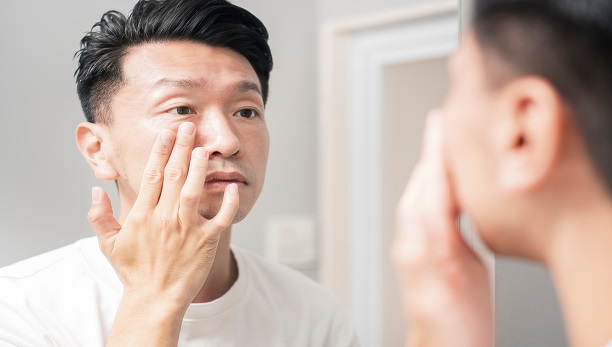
x,y
445,287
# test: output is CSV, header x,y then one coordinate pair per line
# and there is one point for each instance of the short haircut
x,y
566,42
216,23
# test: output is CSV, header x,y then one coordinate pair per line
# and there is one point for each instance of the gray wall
x,y
45,185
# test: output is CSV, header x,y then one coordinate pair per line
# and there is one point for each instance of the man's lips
x,y
220,180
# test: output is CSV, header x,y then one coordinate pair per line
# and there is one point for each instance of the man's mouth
x,y
220,180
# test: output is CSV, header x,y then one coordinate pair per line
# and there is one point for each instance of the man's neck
x,y
580,259
223,273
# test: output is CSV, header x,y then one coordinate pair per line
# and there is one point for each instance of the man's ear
x,y
528,133
91,140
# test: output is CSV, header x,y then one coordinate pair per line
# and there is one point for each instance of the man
x,y
174,96
522,147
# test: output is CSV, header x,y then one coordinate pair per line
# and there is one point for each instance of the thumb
x,y
101,218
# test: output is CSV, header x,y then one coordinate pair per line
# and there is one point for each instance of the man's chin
x,y
210,213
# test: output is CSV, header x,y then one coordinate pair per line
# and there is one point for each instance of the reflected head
x,y
566,42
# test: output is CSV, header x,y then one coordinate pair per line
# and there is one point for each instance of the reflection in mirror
x,y
354,258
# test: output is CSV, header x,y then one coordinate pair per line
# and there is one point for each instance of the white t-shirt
x,y
69,297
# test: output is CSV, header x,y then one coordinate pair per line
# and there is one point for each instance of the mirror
x,y
379,75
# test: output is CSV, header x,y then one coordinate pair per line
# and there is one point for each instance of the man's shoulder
x,y
45,296
41,263
56,272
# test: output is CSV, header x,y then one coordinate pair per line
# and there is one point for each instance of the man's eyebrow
x,y
182,83
241,87
247,86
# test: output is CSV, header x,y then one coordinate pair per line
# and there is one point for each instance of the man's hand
x,y
445,287
164,250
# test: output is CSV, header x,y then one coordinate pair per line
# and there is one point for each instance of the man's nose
x,y
217,135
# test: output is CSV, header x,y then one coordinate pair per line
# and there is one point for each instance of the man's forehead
x,y
177,54
188,65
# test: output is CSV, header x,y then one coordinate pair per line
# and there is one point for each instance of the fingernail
x,y
200,152
187,128
95,195
232,188
166,137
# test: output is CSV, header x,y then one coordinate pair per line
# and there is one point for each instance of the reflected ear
x,y
529,133
91,140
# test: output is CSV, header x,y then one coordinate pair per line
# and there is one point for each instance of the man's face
x,y
470,128
168,83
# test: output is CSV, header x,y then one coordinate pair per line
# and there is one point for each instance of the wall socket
x,y
292,240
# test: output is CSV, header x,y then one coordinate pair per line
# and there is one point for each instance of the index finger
x,y
435,162
153,175
194,184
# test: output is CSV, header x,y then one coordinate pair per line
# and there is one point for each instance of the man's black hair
x,y
216,23
566,42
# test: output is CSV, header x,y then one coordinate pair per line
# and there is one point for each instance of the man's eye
x,y
247,113
181,110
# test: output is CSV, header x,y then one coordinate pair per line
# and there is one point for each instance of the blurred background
x,y
352,82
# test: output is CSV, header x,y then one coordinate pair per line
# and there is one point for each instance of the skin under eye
x,y
181,110
247,113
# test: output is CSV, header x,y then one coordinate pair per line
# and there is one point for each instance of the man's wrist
x,y
145,318
157,305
